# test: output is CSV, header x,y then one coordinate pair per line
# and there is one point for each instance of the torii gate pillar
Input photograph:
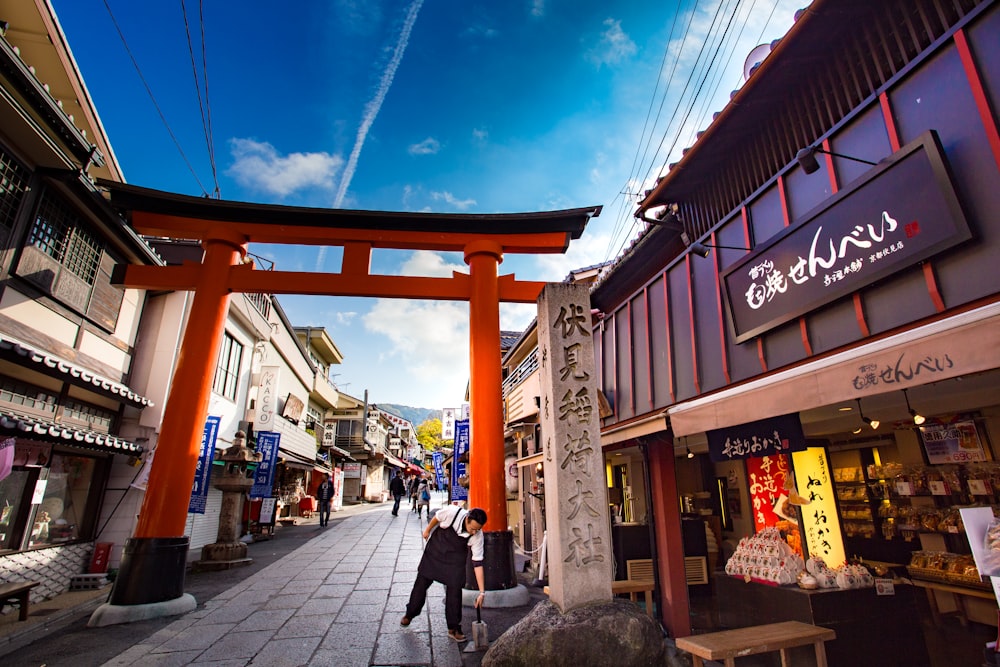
x,y
153,563
487,488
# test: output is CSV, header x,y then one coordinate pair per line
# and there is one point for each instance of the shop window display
x,y
62,510
48,498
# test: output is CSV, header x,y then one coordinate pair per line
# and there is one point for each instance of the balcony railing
x,y
522,372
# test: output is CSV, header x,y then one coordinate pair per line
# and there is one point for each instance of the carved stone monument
x,y
582,624
576,493
235,480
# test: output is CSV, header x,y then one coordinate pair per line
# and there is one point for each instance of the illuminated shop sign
x,y
902,212
764,437
820,522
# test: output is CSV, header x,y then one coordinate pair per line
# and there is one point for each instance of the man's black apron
x,y
445,554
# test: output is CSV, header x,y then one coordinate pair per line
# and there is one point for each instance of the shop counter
x,y
871,629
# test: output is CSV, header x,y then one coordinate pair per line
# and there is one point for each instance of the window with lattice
x,y
227,371
13,184
58,234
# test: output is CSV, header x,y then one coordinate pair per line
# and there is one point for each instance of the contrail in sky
x,y
375,104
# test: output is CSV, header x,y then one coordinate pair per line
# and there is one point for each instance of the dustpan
x,y
480,635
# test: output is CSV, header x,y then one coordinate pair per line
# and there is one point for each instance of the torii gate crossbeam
x,y
225,229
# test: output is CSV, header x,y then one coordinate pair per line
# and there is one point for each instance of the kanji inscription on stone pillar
x,y
576,494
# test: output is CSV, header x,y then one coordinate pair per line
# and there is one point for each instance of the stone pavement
x,y
336,600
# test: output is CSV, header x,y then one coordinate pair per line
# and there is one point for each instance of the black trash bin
x,y
152,570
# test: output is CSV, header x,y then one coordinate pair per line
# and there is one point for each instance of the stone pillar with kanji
x,y
576,494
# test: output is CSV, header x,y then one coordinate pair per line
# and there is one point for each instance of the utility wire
x,y
697,92
152,97
203,103
622,217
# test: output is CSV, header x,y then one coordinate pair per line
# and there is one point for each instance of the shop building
x,y
68,404
823,258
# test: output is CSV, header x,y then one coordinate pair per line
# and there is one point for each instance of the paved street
x,y
336,600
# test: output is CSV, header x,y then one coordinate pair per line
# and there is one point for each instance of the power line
x,y
203,104
152,97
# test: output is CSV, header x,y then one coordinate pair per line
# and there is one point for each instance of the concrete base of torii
x,y
116,614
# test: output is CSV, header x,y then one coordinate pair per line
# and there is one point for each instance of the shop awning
x,y
44,362
417,469
396,463
951,347
298,461
45,430
342,453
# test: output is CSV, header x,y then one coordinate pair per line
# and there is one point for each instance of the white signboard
x,y
448,423
267,398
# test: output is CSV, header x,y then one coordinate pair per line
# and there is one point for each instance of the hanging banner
x,y
267,398
203,471
6,457
819,517
459,470
768,478
267,447
448,423
765,437
438,458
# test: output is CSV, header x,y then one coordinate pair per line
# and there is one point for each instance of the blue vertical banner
x,y
203,471
438,459
458,492
263,480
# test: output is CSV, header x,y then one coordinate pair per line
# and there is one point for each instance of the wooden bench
x,y
17,591
731,644
633,586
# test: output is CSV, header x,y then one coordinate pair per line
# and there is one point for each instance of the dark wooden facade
x,y
858,78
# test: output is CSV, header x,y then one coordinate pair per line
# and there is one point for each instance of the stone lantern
x,y
235,480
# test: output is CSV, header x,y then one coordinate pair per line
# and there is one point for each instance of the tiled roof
x,y
39,428
50,364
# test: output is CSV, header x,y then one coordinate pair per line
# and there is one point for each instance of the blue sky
x,y
447,106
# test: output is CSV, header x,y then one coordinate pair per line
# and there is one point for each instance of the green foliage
x,y
429,435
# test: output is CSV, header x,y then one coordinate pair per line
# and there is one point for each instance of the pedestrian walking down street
x,y
324,496
397,489
423,499
450,536
414,483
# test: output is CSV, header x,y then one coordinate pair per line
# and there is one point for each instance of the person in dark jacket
x,y
324,495
397,489
450,536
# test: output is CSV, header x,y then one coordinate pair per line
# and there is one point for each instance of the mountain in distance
x,y
415,416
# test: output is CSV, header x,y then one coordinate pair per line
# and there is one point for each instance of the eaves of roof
x,y
37,428
55,366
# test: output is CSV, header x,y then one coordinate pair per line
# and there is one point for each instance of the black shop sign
x,y
764,437
903,211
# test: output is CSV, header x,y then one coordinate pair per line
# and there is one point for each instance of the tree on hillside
x,y
429,435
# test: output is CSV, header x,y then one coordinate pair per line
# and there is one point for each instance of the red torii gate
x,y
225,229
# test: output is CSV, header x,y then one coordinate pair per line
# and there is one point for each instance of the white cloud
x,y
429,146
517,316
431,264
480,135
589,249
460,204
345,318
614,46
428,340
538,7
259,166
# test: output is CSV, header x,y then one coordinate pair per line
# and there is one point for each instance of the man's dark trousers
x,y
395,505
324,512
452,601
